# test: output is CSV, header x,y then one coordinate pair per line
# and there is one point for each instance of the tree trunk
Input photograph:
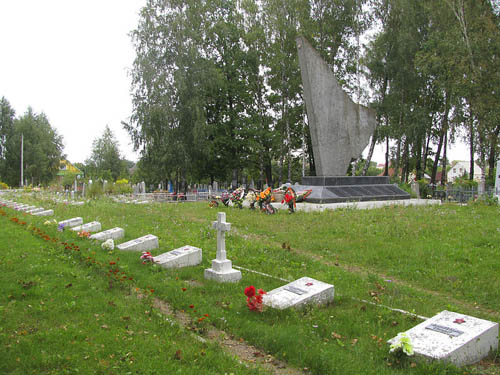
x,y
370,153
444,131
444,173
471,132
386,168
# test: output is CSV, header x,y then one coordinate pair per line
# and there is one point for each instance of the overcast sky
x,y
70,59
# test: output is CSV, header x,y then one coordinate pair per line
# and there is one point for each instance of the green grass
x,y
437,258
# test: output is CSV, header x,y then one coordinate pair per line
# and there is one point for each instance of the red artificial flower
x,y
183,289
191,306
250,291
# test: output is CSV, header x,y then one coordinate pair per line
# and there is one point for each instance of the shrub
x,y
3,186
95,190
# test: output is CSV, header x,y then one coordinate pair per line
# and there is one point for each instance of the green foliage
x,y
3,186
105,161
68,178
95,190
42,150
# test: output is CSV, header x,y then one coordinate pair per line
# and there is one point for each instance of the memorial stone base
x,y
222,271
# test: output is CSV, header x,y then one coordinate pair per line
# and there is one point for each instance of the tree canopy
x,y
217,91
43,147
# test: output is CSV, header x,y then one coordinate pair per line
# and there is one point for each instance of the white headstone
x,y
182,257
70,223
148,242
44,213
114,234
455,338
79,203
497,180
93,226
299,293
222,268
35,210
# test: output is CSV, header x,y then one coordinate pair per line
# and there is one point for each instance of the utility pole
x,y
22,156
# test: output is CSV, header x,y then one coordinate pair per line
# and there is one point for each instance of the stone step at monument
x,y
113,234
70,223
453,338
44,213
182,257
299,293
93,226
145,243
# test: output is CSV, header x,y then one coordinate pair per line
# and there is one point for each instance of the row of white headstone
x,y
448,336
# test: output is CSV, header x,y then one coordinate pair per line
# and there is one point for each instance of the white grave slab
x,y
182,257
222,268
145,243
114,234
452,337
299,293
78,203
93,226
35,210
70,223
27,208
44,213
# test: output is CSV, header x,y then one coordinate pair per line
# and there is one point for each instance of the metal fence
x,y
461,195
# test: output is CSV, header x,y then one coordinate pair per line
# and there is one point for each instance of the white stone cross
x,y
222,227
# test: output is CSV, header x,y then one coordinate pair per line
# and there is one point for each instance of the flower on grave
x,y
459,320
251,198
254,299
146,257
289,199
402,344
237,197
50,222
84,234
60,227
108,244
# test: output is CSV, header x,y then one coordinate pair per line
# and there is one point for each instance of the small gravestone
x,y
70,223
415,188
454,338
182,257
44,213
93,226
222,268
145,243
80,203
113,234
299,293
35,210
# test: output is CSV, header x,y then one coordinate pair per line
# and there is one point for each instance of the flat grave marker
x,y
455,338
182,257
70,223
299,293
44,213
93,226
145,243
113,234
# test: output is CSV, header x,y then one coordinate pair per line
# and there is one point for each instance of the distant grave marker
x,y
145,243
93,226
70,223
114,234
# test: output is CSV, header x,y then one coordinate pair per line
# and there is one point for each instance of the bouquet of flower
x,y
50,222
254,301
225,198
289,199
84,234
108,244
237,197
251,198
302,195
147,257
402,345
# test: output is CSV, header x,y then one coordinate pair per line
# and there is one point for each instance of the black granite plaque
x,y
443,329
295,290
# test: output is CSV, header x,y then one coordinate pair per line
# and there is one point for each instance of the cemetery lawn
x,y
422,260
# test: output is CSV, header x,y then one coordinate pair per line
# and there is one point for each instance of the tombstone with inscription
x,y
145,243
299,293
454,338
222,268
70,223
93,226
113,234
182,257
44,213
